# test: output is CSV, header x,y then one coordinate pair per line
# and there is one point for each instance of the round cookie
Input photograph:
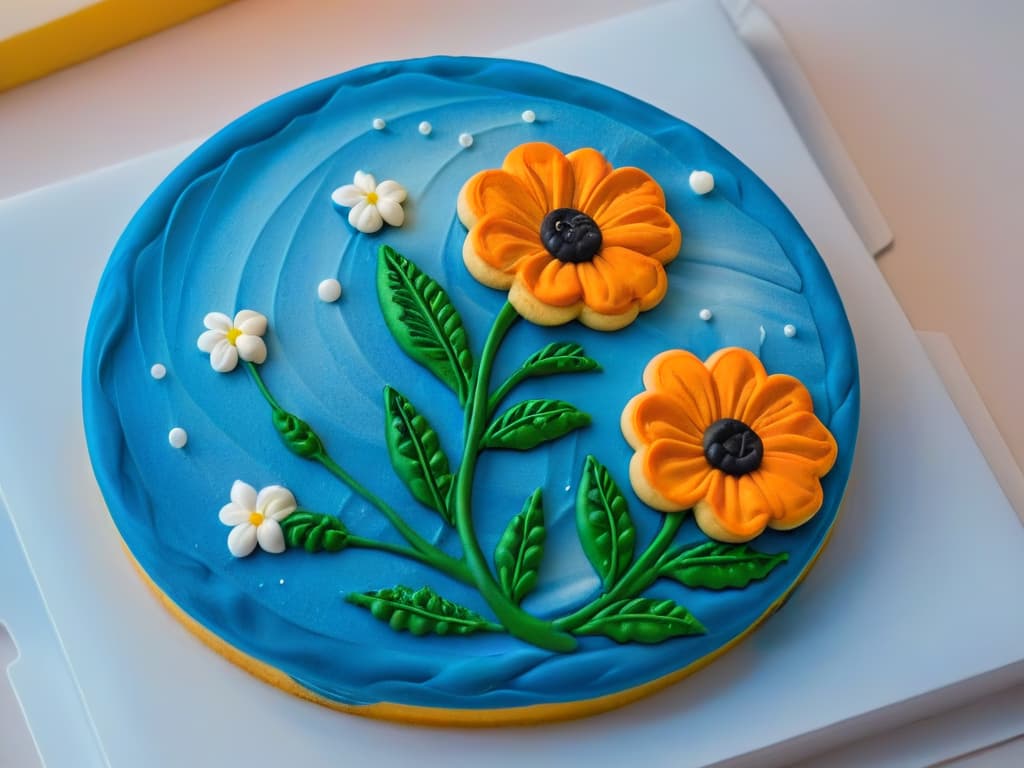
x,y
422,499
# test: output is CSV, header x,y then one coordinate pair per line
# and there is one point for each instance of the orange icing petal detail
x,y
504,244
497,193
678,472
604,289
648,230
794,496
683,376
657,416
778,397
623,190
808,442
644,276
552,281
738,375
734,509
589,168
545,172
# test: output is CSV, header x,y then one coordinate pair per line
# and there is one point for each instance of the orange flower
x,y
742,448
569,236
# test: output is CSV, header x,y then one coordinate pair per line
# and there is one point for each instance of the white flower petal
x,y
210,339
391,212
232,514
347,196
251,348
217,321
242,540
368,220
356,212
391,190
275,502
365,182
223,357
244,495
270,536
251,322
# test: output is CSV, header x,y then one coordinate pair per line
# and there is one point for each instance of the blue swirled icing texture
x,y
247,222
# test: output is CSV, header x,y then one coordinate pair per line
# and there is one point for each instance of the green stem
x,y
459,573
640,575
502,392
516,621
430,554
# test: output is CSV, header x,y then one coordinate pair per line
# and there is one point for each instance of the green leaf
x,y
559,357
642,620
297,434
416,453
423,321
520,548
605,527
719,566
421,612
532,422
314,532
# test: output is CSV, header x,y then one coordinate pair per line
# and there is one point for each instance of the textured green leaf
x,y
642,620
416,453
559,357
520,548
605,527
420,612
314,532
297,434
532,422
423,320
718,566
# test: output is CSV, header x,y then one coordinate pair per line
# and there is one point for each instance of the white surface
x,y
21,15
903,620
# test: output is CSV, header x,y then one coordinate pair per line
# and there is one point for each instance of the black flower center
x,y
733,447
570,235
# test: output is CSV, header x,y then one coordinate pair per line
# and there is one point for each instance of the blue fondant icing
x,y
247,222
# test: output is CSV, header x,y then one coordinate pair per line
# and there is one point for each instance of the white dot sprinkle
x,y
158,371
379,124
790,330
529,116
177,437
329,290
704,314
702,182
425,128
465,140
281,581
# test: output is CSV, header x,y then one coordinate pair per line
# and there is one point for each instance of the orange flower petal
x,y
644,276
738,375
589,168
734,509
779,396
605,290
678,472
497,193
795,495
657,416
648,230
545,172
504,244
807,441
553,282
682,375
620,192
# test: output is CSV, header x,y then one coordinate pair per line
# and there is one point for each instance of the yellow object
x,y
88,32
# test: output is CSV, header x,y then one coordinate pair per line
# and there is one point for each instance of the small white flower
x,y
256,518
227,339
372,204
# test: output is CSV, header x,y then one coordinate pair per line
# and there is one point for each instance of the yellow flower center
x,y
371,198
233,335
256,518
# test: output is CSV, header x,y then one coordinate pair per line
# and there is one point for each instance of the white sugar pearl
x,y
177,437
158,371
465,139
329,290
379,124
704,314
425,128
529,116
702,182
790,330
